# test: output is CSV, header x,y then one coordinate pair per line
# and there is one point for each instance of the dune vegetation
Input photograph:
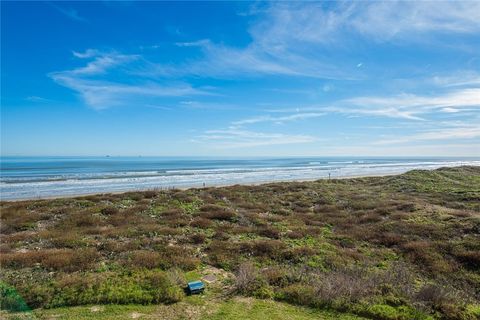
x,y
394,247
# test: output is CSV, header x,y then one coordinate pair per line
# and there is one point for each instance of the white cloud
x,y
223,61
298,39
314,22
293,39
402,106
269,118
440,149
89,53
36,99
199,43
389,19
450,110
102,94
70,13
101,62
411,106
388,112
465,132
458,79
93,81
234,138
208,105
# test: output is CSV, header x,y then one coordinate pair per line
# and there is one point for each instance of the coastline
x,y
218,185
45,178
136,242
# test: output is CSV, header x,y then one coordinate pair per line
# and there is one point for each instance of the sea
x,y
49,177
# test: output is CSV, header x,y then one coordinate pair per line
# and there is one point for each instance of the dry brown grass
x,y
269,232
109,211
144,259
201,223
16,218
216,212
53,259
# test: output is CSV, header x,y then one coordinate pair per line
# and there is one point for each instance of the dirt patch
x,y
135,315
209,278
97,308
217,273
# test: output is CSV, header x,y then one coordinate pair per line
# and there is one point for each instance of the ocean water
x,y
41,177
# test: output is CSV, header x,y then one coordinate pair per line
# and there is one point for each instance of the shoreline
x,y
356,230
24,181
258,183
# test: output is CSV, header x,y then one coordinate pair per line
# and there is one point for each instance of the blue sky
x,y
240,78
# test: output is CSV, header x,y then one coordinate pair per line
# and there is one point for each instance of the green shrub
x,y
264,292
276,276
473,311
386,312
36,294
142,287
10,299
297,293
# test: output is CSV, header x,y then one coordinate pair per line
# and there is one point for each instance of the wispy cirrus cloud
x,y
287,39
385,20
99,82
69,12
401,106
292,40
384,111
103,94
225,62
37,99
200,105
437,134
89,53
101,62
233,138
410,105
298,39
466,78
286,24
278,120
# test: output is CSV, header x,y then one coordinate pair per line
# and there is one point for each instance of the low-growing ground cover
x,y
397,247
232,309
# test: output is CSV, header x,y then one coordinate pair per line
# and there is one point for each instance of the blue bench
x,y
195,287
